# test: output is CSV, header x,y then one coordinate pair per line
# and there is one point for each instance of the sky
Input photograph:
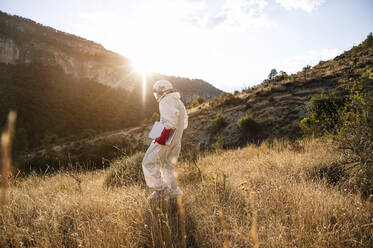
x,y
232,44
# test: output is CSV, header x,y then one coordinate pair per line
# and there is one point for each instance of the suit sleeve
x,y
185,119
169,113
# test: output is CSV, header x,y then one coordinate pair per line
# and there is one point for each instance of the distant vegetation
x,y
348,121
225,100
54,107
218,123
251,130
272,74
197,101
368,42
322,113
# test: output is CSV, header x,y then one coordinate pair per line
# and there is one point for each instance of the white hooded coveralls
x,y
157,163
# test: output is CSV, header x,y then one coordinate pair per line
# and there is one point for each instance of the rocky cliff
x,y
25,41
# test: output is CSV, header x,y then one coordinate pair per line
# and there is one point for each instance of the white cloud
x,y
306,5
237,13
296,63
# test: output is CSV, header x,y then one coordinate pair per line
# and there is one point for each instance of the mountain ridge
x,y
65,87
24,41
276,105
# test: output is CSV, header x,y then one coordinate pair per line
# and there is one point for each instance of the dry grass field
x,y
257,196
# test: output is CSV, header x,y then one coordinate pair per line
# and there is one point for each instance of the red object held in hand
x,y
164,135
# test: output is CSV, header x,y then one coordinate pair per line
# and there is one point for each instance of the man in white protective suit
x,y
158,161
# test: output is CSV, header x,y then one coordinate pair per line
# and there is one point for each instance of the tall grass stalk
x,y
254,227
222,222
6,157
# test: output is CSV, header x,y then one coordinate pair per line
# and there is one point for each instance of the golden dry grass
x,y
268,182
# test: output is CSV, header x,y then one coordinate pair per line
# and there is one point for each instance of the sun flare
x,y
141,66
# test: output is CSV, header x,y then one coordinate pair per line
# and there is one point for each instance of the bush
x,y
226,99
149,121
361,180
307,68
219,144
249,127
125,171
354,133
333,173
368,42
49,139
197,101
219,123
272,74
349,122
322,114
281,76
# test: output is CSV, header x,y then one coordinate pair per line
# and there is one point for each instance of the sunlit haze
x,y
229,43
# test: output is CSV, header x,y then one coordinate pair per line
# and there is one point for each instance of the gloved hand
x,y
164,135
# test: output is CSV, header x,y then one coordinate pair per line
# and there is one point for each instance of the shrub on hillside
x,y
333,172
219,123
349,122
125,171
368,42
354,133
349,119
49,139
249,127
149,121
281,76
273,73
197,101
218,144
226,99
307,68
322,114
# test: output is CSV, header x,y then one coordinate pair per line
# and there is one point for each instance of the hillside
x,y
66,88
264,191
25,41
277,106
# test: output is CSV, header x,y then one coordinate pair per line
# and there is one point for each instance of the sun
x,y
141,66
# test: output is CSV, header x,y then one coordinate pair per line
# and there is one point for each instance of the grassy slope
x,y
292,211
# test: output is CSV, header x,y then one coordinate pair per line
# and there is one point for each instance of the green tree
x,y
355,129
322,114
349,122
368,42
272,74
